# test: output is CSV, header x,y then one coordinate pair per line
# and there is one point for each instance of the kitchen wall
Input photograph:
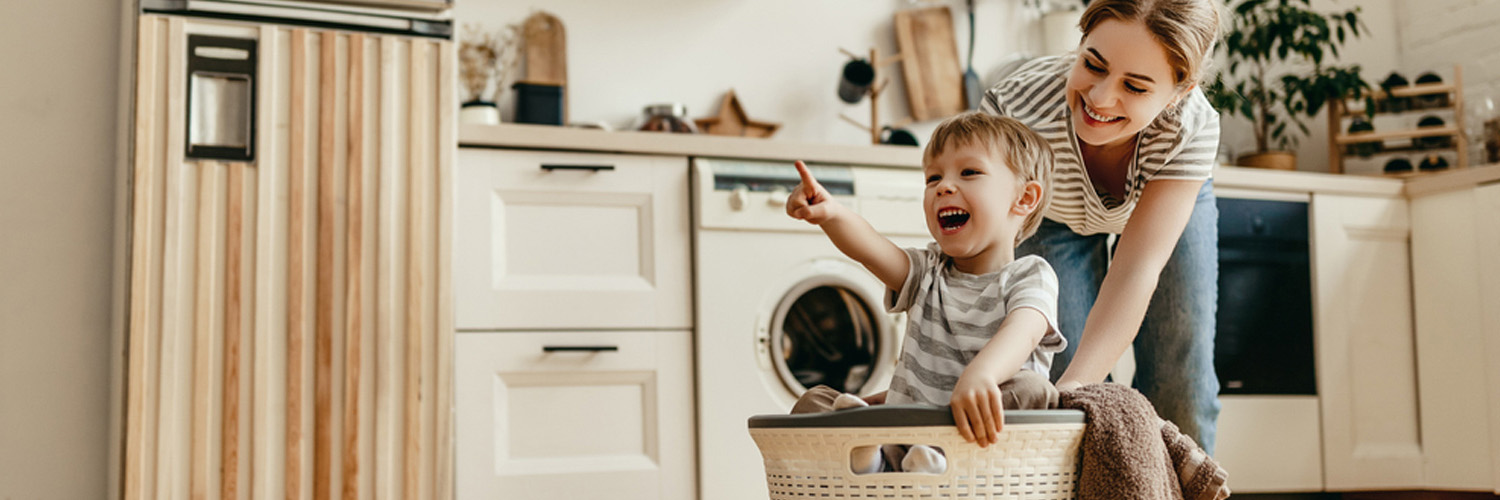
x,y
57,232
1436,34
1378,53
780,56
623,55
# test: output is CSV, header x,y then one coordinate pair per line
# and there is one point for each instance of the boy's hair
x,y
1022,150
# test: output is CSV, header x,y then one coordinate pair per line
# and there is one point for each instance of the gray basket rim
x,y
904,416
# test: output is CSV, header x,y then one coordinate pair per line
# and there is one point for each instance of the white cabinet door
x,y
1366,358
1447,269
535,423
1270,444
1489,292
546,240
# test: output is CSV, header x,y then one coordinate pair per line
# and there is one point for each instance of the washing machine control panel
x,y
751,195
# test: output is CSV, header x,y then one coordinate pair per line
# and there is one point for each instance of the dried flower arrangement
x,y
486,56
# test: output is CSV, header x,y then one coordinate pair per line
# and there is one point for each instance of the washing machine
x,y
779,309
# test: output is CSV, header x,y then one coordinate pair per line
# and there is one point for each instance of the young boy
x,y
978,317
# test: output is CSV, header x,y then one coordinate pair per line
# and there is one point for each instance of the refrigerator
x,y
288,308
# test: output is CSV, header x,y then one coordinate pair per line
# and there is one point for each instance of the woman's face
x,y
1120,83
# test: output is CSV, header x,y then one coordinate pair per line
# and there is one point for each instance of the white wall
x,y
1437,34
57,156
780,56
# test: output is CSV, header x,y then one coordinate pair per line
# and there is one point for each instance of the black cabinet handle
x,y
580,348
592,168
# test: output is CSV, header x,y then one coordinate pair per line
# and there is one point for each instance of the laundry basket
x,y
807,455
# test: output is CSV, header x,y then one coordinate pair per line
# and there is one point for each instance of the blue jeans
x,y
1174,350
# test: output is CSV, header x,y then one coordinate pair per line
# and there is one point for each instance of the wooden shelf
x,y
1407,175
1419,90
1350,113
1362,137
1387,150
1339,111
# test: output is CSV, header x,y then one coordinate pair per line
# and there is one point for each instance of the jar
x,y
666,117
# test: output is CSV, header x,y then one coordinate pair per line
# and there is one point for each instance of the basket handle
x,y
904,416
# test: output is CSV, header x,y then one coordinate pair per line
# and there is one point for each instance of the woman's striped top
x,y
1182,143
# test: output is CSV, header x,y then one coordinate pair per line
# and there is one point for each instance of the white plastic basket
x,y
807,455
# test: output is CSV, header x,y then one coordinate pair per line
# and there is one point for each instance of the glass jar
x,y
666,117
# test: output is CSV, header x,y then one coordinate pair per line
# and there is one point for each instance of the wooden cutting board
x,y
546,46
929,61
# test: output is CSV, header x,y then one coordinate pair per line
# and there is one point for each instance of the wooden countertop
x,y
522,136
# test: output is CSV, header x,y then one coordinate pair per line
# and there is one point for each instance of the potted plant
x,y
484,57
1267,35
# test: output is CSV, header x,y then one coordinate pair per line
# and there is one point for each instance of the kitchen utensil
x,y
897,137
855,80
929,51
972,87
666,117
539,103
546,49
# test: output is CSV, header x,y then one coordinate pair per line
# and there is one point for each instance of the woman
x,y
1135,143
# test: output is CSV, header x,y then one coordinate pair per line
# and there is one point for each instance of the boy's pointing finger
x,y
806,174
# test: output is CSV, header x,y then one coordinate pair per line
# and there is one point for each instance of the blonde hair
x,y
1022,149
1187,29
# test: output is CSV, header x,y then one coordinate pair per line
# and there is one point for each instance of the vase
x,y
479,113
1275,160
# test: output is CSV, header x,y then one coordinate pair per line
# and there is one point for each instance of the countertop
x,y
521,136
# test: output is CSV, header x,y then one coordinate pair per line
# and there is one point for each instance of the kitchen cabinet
x,y
612,418
558,240
1367,374
573,371
288,314
1456,281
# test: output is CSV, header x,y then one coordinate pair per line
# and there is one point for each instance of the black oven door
x,y
1264,343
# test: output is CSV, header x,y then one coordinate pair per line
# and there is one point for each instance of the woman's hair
x,y
1024,151
1187,29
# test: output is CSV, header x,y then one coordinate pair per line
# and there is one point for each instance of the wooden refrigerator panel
x,y
289,318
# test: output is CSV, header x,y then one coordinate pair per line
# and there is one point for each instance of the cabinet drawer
x,y
610,419
546,240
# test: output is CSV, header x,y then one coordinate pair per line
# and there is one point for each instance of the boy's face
x,y
971,201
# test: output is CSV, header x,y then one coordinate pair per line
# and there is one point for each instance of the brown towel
x,y
1123,454
1201,477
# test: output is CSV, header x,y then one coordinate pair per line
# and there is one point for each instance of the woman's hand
x,y
977,408
810,201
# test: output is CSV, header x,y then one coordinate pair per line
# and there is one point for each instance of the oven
x,y
1264,343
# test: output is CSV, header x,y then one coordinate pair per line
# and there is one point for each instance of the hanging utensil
x,y
972,89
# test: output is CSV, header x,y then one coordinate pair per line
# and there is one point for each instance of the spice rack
x,y
1402,141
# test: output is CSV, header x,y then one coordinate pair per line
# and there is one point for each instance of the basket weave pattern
x,y
1030,461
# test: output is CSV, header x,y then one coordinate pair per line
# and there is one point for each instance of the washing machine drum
x,y
825,334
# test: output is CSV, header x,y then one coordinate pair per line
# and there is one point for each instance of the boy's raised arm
x,y
851,233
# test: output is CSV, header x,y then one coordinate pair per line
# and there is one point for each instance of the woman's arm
x,y
1144,247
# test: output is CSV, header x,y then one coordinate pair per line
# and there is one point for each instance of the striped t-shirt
x,y
951,315
1182,143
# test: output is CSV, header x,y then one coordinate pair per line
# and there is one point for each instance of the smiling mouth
x,y
1097,116
952,219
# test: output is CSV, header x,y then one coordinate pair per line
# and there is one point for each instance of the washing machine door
x,y
830,329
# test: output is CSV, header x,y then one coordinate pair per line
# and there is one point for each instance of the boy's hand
x,y
977,408
809,201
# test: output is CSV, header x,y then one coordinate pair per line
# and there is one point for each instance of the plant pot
x,y
479,112
1275,160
